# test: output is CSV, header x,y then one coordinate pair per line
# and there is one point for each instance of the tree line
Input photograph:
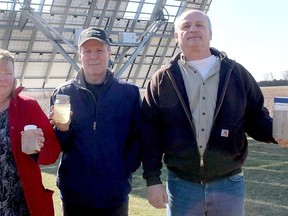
x,y
269,80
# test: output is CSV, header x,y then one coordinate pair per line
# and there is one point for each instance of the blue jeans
x,y
220,198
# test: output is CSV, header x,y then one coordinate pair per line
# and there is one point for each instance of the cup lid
x,y
281,100
62,96
30,127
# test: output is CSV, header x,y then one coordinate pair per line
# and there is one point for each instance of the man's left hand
x,y
282,142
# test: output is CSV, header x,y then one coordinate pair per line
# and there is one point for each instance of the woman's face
x,y
6,79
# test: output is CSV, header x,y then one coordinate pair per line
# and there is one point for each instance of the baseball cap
x,y
93,33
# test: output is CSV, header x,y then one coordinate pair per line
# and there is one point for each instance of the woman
x,y
21,188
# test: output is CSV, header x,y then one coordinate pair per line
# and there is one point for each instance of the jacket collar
x,y
215,52
80,82
18,90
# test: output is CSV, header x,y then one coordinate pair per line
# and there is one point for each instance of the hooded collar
x,y
215,52
18,90
79,79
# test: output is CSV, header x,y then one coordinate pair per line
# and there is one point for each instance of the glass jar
x,y
62,108
280,118
29,142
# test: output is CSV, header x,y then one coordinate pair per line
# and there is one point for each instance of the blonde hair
x,y
6,56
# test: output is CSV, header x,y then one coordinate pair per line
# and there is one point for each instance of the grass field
x,y
266,177
266,173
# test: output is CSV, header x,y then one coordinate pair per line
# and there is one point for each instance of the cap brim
x,y
102,41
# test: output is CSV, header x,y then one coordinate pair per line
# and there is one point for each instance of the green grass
x,y
266,174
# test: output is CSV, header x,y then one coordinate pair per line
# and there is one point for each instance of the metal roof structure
x,y
43,35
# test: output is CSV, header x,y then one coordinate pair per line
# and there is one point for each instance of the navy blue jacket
x,y
100,151
167,127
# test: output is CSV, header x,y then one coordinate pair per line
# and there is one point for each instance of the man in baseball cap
x,y
93,33
99,146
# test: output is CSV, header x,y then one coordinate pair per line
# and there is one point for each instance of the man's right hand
x,y
60,126
157,196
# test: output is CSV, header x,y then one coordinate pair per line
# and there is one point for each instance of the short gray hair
x,y
178,18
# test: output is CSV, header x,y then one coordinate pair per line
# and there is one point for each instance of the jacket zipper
x,y
84,88
95,121
201,169
190,121
202,177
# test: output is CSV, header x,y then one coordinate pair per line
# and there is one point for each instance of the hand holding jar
x,y
62,109
32,139
60,115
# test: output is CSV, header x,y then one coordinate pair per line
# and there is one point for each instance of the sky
x,y
254,33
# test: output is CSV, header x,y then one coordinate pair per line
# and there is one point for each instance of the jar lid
x,y
281,100
62,97
30,127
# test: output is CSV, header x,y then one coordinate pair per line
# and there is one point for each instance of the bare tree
x,y
285,75
271,74
268,76
265,76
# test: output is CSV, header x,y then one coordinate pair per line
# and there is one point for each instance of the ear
x,y
79,56
109,50
176,37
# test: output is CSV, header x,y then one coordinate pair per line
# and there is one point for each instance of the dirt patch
x,y
271,92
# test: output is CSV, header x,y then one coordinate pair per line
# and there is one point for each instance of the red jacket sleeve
x,y
51,149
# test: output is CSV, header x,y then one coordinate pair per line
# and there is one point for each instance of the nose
x,y
93,55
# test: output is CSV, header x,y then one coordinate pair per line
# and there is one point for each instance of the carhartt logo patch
x,y
224,133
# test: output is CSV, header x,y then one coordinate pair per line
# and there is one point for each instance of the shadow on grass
x,y
266,171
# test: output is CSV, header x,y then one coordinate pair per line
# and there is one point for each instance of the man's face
x,y
94,56
193,32
6,79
